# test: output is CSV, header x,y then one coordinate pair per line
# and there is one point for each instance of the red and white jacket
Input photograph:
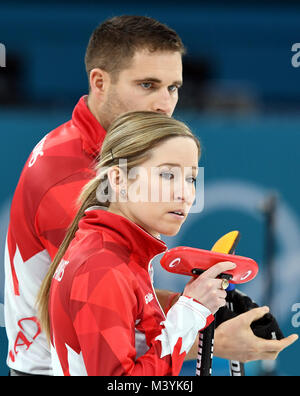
x,y
43,206
104,314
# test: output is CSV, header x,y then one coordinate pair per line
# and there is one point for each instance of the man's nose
x,y
163,103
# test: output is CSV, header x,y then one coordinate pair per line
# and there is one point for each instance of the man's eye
x,y
173,88
167,175
146,85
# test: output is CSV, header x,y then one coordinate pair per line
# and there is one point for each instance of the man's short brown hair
x,y
113,44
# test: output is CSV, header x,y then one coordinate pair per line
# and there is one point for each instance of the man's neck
x,y
91,106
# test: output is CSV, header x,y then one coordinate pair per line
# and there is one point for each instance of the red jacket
x,y
105,317
42,209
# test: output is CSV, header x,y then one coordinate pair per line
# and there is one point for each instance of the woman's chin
x,y
170,232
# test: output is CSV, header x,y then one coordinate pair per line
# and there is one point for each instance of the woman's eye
x,y
191,180
167,175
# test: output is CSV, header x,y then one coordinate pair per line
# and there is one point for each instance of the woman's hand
x,y
207,289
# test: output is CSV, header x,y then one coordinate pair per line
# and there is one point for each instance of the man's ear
x,y
99,81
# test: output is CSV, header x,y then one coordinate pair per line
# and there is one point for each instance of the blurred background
x,y
241,96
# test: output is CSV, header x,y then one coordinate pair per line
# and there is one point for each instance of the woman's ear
x,y
118,182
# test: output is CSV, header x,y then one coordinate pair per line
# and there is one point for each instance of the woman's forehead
x,y
179,150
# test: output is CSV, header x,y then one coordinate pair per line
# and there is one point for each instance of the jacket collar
x,y
92,133
138,241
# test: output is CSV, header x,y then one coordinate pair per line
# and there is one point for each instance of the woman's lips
x,y
177,215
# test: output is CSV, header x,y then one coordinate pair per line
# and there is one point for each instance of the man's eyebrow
x,y
156,80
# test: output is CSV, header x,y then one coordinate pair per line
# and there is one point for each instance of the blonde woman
x,y
97,304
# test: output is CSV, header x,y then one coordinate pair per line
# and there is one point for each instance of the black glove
x,y
265,327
